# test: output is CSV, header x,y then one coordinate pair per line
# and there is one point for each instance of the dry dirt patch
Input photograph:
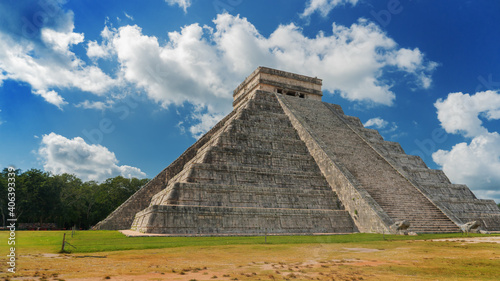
x,y
492,239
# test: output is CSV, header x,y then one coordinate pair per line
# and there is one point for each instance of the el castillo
x,y
284,162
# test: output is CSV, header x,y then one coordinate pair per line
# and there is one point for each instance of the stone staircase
x,y
391,190
455,200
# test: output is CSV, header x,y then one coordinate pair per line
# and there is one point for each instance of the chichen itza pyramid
x,y
284,162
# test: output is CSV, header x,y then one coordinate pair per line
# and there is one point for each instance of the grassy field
x,y
103,255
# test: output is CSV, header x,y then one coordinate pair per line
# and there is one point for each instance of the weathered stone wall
x,y
249,221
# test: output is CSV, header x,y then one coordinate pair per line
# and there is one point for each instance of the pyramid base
x,y
191,220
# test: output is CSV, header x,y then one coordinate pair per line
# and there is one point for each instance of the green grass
x,y
99,241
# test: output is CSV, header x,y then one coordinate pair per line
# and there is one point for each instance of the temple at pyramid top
x,y
278,81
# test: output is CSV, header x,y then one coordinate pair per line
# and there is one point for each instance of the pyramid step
x,y
261,158
265,121
179,219
202,194
263,105
428,176
387,148
239,126
240,175
370,135
239,139
352,120
453,190
408,161
253,116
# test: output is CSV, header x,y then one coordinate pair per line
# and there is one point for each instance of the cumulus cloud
x,y
38,51
184,70
61,41
51,97
377,123
459,113
88,162
201,65
476,163
184,4
103,50
324,6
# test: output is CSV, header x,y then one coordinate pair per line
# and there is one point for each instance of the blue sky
x,y
106,88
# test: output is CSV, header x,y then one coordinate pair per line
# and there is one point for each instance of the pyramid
x,y
284,162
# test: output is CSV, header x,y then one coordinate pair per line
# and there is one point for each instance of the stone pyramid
x,y
285,162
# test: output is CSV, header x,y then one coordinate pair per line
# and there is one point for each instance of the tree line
x,y
66,200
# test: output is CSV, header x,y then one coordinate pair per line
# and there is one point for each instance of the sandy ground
x,y
495,239
464,258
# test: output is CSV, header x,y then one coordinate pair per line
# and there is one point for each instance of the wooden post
x,y
62,247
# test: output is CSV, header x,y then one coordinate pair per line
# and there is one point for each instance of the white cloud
x,y
324,6
386,129
459,113
61,41
205,122
202,65
128,16
412,62
377,123
47,62
184,4
88,162
103,50
477,163
351,61
99,105
2,77
51,97
95,50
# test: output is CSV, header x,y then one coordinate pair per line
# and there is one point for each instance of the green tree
x,y
4,180
112,193
64,199
70,201
37,197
